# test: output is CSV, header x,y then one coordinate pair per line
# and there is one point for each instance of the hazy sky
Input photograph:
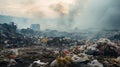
x,y
64,14
33,8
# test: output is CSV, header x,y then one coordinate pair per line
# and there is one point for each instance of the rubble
x,y
78,56
18,50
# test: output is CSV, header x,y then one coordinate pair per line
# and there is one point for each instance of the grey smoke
x,y
97,14
66,22
104,14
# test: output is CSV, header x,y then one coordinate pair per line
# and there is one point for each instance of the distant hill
x,y
20,21
7,19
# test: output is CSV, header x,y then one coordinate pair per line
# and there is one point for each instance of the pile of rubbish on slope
x,y
102,53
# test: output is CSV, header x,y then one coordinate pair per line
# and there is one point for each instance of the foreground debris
x,y
102,53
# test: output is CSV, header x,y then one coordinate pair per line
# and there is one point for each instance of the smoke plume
x,y
65,15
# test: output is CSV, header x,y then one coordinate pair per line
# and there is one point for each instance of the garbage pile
x,y
100,53
11,38
103,53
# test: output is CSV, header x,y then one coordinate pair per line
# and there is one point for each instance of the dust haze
x,y
65,15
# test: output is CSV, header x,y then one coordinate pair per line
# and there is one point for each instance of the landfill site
x,y
20,49
59,33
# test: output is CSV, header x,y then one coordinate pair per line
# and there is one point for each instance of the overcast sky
x,y
33,8
64,14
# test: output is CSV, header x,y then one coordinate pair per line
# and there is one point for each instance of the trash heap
x,y
11,38
102,53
